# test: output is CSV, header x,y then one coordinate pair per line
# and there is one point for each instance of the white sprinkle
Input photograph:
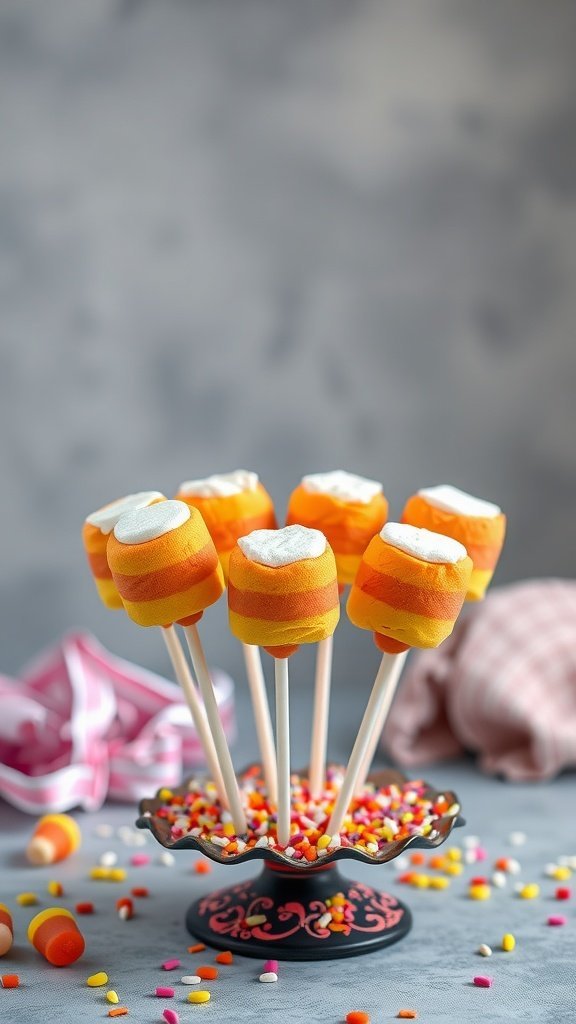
x,y
108,859
325,920
550,870
471,842
499,879
240,845
517,838
289,851
484,950
220,840
371,847
262,842
335,842
470,856
103,831
139,839
324,852
191,979
166,858
513,866
124,913
401,863
268,977
568,860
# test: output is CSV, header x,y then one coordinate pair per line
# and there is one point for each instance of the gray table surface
x,y
431,970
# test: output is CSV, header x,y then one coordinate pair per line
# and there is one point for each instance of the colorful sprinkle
x,y
357,1017
563,892
171,1017
482,981
118,1011
268,977
139,860
191,979
27,899
85,908
207,973
163,992
202,996
55,889
557,919
139,892
479,892
112,996
10,980
508,942
170,965
125,908
408,1014
198,948
255,919
271,965
98,979
484,950
224,958
530,892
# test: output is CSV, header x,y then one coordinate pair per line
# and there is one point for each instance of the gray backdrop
x,y
289,236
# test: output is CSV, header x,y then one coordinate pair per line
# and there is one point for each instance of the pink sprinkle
x,y
170,965
481,853
138,860
164,993
482,981
271,966
171,1017
557,919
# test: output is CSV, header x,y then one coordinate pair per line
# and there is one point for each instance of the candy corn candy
x,y
346,508
164,564
56,936
232,505
96,530
410,587
56,836
479,525
6,930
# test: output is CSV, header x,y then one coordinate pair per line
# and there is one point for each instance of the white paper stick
x,y
393,680
262,718
283,748
184,677
320,717
220,742
377,698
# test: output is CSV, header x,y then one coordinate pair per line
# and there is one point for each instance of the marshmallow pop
x,y
166,569
348,510
479,525
233,505
95,535
409,591
283,592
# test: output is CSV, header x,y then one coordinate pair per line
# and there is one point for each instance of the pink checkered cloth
x,y
504,685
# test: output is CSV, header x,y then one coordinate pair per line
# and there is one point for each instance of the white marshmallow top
x,y
343,486
282,547
149,523
105,518
451,499
220,485
423,544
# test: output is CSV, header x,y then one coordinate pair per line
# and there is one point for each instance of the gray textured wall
x,y
290,236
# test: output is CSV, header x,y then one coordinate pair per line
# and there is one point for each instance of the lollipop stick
x,y
377,698
184,677
380,721
262,718
320,717
283,749
222,750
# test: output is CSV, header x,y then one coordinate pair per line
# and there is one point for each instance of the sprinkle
x,y
268,977
224,958
198,948
484,950
164,993
166,859
471,842
118,1011
139,891
530,892
96,980
139,860
325,920
479,892
170,965
108,859
557,919
207,973
191,979
202,996
562,874
55,889
454,868
270,966
508,942
417,858
408,1014
27,899
171,1017
112,996
99,874
118,875
202,867
125,908
10,980
481,853
85,908
513,866
454,853
563,892
357,1017
256,919
517,838
499,879
482,981
439,883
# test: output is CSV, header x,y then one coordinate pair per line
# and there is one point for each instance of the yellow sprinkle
x,y
508,942
27,899
323,842
453,868
117,875
454,853
439,883
479,892
229,829
420,881
407,817
562,874
112,996
199,997
530,892
55,889
338,900
95,980
165,794
255,919
99,874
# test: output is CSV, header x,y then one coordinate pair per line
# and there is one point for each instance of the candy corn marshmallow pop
x,y
479,525
283,592
95,535
409,590
166,569
233,505
348,510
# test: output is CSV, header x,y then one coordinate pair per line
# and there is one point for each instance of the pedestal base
x,y
293,903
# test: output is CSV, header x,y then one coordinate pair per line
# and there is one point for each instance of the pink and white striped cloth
x,y
82,725
504,685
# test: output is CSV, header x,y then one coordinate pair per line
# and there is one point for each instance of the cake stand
x,y
291,900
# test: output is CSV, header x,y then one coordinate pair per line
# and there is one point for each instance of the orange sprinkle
x,y
207,973
417,857
202,867
335,927
10,980
357,1017
118,1011
310,853
198,948
140,891
225,958
408,1014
